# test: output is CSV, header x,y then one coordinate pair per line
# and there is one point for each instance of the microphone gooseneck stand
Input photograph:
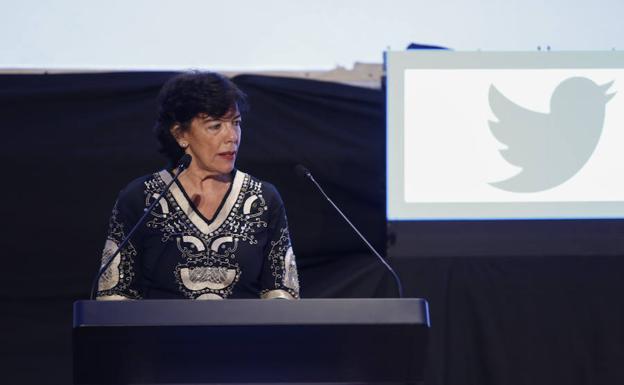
x,y
305,173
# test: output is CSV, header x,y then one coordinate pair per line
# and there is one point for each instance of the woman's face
x,y
213,142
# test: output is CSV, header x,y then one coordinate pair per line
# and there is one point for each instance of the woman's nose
x,y
232,132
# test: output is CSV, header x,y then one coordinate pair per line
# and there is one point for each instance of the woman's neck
x,y
196,179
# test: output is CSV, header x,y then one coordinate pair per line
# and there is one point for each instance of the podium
x,y
309,341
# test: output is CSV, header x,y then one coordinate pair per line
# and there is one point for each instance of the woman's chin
x,y
225,169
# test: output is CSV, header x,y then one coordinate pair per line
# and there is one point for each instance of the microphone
x,y
303,172
183,164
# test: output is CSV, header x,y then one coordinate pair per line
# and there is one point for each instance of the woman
x,y
218,233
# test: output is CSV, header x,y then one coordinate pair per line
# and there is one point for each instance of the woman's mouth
x,y
229,155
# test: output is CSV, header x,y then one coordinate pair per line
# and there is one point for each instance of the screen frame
x,y
485,237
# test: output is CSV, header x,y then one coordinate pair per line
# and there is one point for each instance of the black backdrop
x,y
72,141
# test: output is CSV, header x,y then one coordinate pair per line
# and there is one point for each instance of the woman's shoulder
x,y
267,189
141,185
131,199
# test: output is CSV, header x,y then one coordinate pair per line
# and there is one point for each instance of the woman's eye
x,y
237,122
215,126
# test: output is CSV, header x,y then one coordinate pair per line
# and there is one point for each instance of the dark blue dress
x,y
244,251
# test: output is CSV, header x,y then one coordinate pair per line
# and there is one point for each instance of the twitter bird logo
x,y
549,147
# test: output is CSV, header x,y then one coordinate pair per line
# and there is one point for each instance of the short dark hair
x,y
187,95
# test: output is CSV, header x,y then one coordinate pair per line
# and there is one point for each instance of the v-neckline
x,y
194,206
205,225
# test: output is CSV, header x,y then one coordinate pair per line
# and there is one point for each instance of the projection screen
x,y
504,136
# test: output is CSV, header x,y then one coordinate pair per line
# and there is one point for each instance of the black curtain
x,y
71,142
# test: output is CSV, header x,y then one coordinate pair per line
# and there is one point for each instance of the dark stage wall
x,y
71,142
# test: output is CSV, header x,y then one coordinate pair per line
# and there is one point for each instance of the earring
x,y
184,144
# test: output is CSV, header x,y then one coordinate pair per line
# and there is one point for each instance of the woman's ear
x,y
178,135
176,131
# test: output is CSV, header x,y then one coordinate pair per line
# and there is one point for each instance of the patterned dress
x,y
244,251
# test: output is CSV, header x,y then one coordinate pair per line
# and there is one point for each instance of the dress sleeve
x,y
120,280
279,274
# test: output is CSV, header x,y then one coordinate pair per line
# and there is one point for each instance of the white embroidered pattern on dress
x,y
283,265
117,278
210,269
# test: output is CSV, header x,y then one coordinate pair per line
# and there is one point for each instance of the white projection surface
x,y
249,35
505,135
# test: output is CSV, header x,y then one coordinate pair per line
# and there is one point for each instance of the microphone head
x,y
303,172
184,162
